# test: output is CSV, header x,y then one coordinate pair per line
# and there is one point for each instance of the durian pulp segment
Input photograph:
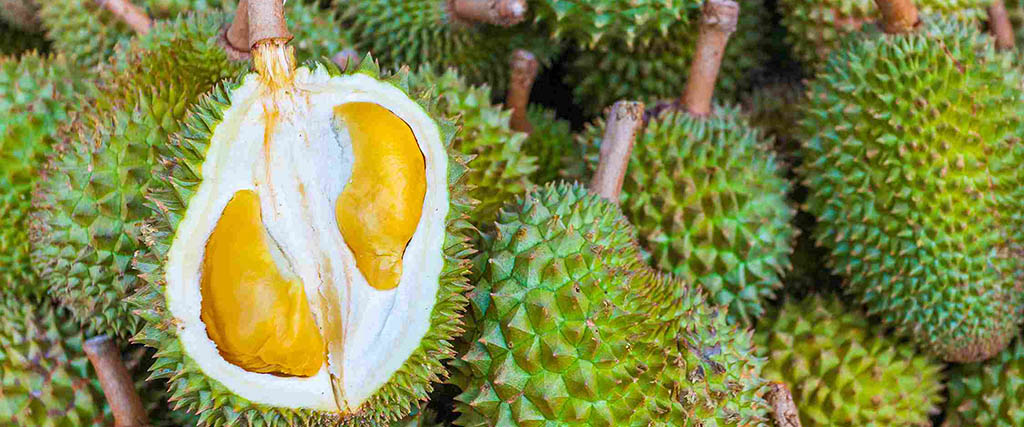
x,y
288,146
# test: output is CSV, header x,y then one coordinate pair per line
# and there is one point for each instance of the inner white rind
x,y
298,173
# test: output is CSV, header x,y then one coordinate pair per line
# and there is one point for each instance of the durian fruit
x,y
988,393
657,68
36,94
500,168
842,370
706,193
913,162
569,327
548,138
589,23
473,36
814,28
774,108
45,378
307,248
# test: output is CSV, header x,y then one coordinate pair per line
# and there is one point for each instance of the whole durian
x,y
842,370
988,393
814,28
306,253
708,197
657,68
913,160
570,327
589,23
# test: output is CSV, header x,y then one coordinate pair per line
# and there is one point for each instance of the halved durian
x,y
312,263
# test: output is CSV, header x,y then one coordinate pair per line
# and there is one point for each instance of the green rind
x,y
592,22
708,198
913,157
990,393
842,371
552,143
216,405
570,328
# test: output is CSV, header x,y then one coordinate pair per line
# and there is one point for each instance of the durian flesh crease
x,y
288,147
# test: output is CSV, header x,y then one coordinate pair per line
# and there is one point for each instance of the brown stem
x,y
117,384
524,72
718,22
625,118
130,14
345,58
999,24
505,13
266,21
898,16
784,411
238,33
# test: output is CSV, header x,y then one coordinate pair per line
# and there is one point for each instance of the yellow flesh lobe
x,y
380,208
259,320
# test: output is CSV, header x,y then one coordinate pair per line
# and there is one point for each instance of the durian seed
x,y
380,208
259,318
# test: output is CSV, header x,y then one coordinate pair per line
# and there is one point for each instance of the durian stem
x,y
238,33
625,119
266,21
524,72
999,24
504,13
784,412
130,14
718,22
116,382
346,58
898,16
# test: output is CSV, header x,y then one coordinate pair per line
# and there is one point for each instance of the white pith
x,y
382,328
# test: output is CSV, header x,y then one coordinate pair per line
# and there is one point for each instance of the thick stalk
x,y
266,21
784,412
625,119
505,13
237,34
999,25
717,22
130,14
117,384
524,72
898,16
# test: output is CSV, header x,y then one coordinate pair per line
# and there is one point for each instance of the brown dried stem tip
x,y
625,119
898,16
784,412
130,14
117,384
999,24
237,35
505,13
717,22
524,72
266,21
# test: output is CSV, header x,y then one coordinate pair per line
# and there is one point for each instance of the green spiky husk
x,y
988,394
216,405
612,71
571,328
708,199
500,168
419,32
551,142
774,108
90,209
815,27
842,371
36,94
912,158
590,23
1015,10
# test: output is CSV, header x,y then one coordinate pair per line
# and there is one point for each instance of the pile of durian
x,y
530,213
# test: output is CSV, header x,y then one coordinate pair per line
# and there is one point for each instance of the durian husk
x,y
987,393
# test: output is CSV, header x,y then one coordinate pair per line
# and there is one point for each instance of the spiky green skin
x,y
36,94
216,405
774,108
551,142
91,206
842,371
613,70
419,32
589,23
500,168
913,159
572,329
989,393
708,199
45,378
814,28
